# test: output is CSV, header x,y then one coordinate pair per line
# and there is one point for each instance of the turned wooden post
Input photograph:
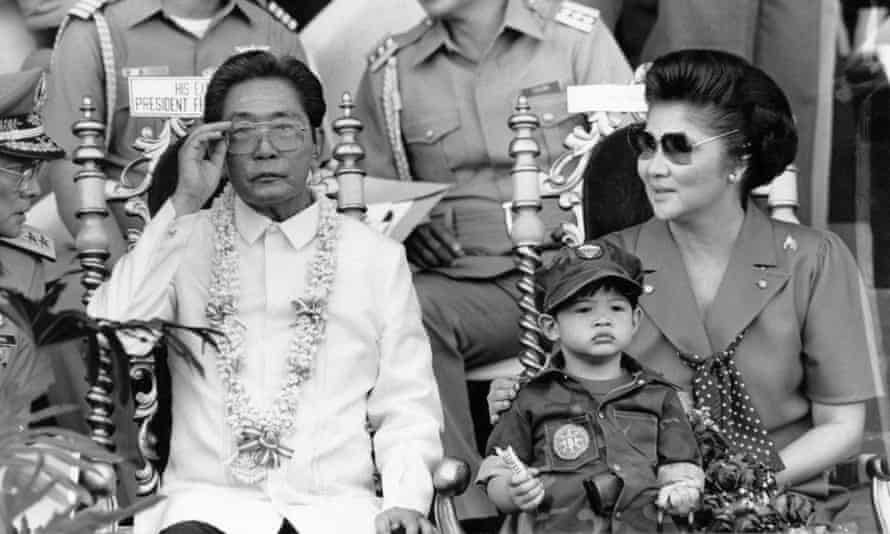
x,y
92,247
348,153
527,230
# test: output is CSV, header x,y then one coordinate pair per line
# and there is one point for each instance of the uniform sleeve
x,y
676,439
379,161
840,356
76,72
141,284
599,59
514,429
404,408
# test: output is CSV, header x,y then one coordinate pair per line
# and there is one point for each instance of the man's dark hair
x,y
734,95
255,65
627,290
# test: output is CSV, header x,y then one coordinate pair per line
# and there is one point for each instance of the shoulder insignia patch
x,y
33,241
391,44
281,15
577,16
84,9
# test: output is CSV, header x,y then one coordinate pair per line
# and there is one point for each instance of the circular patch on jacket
x,y
570,441
590,252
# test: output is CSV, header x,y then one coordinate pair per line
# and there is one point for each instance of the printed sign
x,y
603,97
167,96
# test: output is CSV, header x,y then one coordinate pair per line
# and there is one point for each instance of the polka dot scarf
x,y
717,386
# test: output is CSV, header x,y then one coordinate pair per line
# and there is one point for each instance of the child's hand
x,y
678,498
526,490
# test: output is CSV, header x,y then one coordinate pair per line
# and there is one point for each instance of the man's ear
x,y
548,326
319,138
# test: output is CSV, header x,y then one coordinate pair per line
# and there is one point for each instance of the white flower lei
x,y
259,433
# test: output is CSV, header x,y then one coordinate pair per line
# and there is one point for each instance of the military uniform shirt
x,y
147,42
19,360
638,431
455,110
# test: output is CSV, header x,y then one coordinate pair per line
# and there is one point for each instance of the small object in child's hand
x,y
509,457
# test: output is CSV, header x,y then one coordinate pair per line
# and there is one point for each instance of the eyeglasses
x,y
24,177
676,146
285,135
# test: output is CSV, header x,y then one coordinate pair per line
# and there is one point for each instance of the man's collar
x,y
299,229
145,9
518,17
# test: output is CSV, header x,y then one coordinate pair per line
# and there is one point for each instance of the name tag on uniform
x,y
7,348
167,96
150,70
606,97
541,89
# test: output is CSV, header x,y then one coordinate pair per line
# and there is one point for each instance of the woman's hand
x,y
526,490
500,396
201,161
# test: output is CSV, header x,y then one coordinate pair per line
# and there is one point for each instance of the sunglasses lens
x,y
675,144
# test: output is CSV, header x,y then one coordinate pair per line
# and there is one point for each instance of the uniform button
x,y
617,515
547,117
429,134
761,283
616,467
648,289
602,415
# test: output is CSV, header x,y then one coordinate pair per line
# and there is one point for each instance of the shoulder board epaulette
x,y
391,44
84,9
33,241
280,14
578,16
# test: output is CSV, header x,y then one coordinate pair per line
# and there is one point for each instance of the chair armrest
x,y
450,478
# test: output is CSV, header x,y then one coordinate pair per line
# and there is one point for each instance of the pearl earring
x,y
733,178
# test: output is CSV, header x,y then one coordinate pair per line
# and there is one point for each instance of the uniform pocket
x,y
433,146
641,430
570,444
556,123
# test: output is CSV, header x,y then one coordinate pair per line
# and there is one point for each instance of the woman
x,y
730,289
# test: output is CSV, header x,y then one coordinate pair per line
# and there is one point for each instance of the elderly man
x,y
324,372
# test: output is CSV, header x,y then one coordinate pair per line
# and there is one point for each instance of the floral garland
x,y
259,433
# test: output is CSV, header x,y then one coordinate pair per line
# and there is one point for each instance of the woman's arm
x,y
836,435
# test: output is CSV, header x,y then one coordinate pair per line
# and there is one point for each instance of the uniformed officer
x,y
104,43
24,147
435,102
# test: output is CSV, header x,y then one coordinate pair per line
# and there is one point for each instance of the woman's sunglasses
x,y
676,146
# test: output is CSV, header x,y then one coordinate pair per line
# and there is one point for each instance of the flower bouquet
x,y
741,494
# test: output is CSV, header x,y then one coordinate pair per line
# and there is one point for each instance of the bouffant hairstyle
x,y
258,64
733,95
